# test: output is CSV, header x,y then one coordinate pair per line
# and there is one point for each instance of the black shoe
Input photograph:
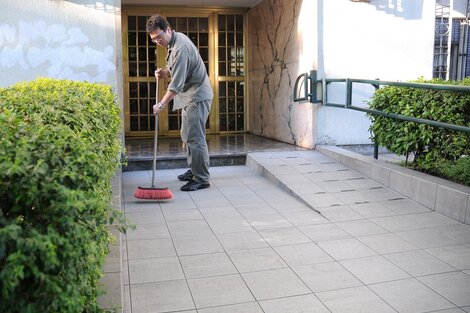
x,y
187,176
193,185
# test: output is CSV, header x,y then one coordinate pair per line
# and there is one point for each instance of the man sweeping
x,y
191,90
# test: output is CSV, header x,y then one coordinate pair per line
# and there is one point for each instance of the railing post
x,y
313,86
348,92
376,144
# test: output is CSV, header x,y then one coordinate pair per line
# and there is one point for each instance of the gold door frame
x,y
211,14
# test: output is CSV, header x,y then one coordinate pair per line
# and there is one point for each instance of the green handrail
x,y
376,83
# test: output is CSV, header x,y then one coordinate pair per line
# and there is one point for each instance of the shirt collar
x,y
172,40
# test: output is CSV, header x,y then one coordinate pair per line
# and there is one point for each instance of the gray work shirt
x,y
189,78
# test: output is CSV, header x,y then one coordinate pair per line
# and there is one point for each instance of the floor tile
x,y
343,249
387,243
405,206
372,210
427,238
199,244
324,232
270,221
161,297
334,186
148,231
288,206
231,225
256,260
150,248
155,217
250,307
207,265
457,256
357,299
361,228
249,210
410,296
189,228
153,270
283,236
182,215
218,291
303,254
340,213
242,241
374,269
419,263
454,310
453,286
275,284
396,223
305,218
323,200
326,276
296,304
220,212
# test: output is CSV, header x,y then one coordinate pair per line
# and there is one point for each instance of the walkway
x,y
246,245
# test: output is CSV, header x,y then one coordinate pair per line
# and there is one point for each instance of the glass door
x,y
219,36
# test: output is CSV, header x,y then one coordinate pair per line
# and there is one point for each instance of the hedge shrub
x,y
59,151
434,149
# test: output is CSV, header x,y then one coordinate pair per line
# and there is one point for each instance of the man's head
x,y
159,30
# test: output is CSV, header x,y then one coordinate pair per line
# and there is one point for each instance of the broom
x,y
152,192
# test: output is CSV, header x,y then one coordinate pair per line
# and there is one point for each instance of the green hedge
x,y
435,150
59,151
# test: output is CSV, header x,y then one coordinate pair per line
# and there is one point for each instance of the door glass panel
x,y
141,62
231,67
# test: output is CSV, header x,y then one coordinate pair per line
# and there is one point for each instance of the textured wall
x,y
274,66
77,39
390,40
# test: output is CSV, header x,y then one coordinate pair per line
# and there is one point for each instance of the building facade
x,y
253,52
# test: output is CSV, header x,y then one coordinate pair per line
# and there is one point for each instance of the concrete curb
x,y
442,196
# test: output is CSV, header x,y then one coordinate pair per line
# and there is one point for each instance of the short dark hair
x,y
157,21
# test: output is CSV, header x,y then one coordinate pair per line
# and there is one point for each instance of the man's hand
x,y
158,107
161,73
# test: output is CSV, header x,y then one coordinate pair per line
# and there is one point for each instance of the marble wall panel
x,y
274,66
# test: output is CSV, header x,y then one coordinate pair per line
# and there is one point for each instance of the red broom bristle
x,y
153,193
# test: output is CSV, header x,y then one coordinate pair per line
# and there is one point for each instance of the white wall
x,y
386,39
78,40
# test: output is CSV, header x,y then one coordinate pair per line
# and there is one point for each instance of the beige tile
x,y
303,254
297,304
323,232
218,291
357,299
250,307
207,265
153,270
361,228
161,297
256,260
419,263
349,248
275,284
453,286
410,296
387,243
374,269
326,276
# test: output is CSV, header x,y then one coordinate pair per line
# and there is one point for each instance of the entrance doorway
x,y
220,37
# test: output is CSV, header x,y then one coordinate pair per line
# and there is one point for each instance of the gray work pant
x,y
193,132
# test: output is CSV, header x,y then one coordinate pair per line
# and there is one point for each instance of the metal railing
x,y
310,83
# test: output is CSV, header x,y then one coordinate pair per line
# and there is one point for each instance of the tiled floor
x,y
246,245
137,148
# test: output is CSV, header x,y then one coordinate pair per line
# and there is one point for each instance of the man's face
x,y
161,37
